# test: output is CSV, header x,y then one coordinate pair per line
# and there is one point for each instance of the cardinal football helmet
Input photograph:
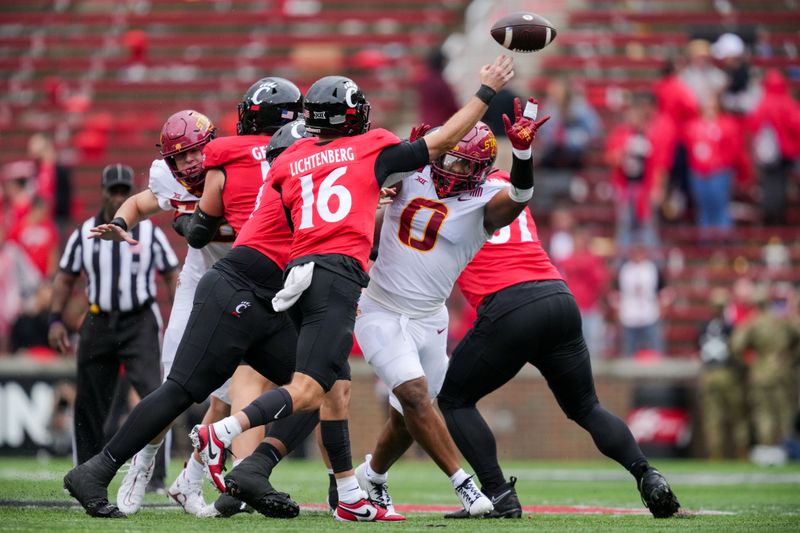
x,y
284,138
184,131
465,167
267,105
336,106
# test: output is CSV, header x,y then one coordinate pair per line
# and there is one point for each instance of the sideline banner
x,y
35,406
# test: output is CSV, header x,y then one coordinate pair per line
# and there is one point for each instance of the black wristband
x,y
119,221
485,94
55,317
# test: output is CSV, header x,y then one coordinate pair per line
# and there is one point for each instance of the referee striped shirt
x,y
119,277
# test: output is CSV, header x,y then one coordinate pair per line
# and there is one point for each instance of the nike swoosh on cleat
x,y
499,497
461,199
365,514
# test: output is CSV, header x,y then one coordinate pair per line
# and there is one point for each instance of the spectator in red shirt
x,y
775,125
53,177
17,195
678,104
37,236
587,277
715,146
639,153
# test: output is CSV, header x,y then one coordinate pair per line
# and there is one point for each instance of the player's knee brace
x,y
336,439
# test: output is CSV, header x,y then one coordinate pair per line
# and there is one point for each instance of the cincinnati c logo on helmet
x,y
351,89
267,87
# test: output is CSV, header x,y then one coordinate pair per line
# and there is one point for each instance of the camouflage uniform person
x,y
722,386
773,338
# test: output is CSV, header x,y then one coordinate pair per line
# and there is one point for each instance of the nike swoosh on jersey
x,y
439,331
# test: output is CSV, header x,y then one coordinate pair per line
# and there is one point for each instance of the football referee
x,y
123,322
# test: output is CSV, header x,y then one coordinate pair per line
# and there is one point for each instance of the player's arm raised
x,y
203,224
507,205
136,208
493,78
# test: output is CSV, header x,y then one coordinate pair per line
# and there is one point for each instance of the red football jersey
x,y
513,255
332,193
267,229
243,158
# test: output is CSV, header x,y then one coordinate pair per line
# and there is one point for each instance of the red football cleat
x,y
365,511
212,452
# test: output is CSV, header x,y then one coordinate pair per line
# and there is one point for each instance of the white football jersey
x,y
172,196
426,242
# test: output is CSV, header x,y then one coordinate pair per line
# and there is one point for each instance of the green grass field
x,y
716,496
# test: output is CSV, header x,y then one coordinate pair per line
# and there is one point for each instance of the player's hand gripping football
x,y
112,232
522,132
499,73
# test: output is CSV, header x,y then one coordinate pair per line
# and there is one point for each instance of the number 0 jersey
x,y
332,193
426,241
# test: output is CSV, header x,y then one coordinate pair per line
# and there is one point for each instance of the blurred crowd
x,y
710,129
36,199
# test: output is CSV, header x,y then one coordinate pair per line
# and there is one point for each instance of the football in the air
x,y
523,32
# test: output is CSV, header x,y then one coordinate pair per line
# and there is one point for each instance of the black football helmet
x,y
267,105
285,137
336,106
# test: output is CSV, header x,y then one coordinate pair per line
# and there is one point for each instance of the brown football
x,y
523,32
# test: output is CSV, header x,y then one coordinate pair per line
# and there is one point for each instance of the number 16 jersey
x,y
332,193
426,242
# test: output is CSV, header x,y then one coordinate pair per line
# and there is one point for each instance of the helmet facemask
x,y
182,132
465,167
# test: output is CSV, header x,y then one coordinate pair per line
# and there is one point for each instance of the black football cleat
x,y
657,494
249,482
227,506
88,486
505,501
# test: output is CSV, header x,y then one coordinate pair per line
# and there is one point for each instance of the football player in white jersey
x,y
176,184
438,221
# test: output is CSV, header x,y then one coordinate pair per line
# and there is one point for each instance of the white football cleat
x,y
474,501
189,495
376,492
131,493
